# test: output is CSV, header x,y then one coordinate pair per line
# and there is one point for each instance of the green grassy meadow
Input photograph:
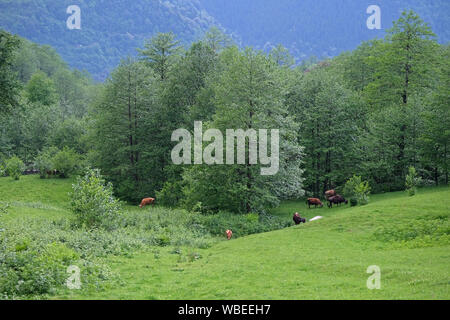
x,y
407,237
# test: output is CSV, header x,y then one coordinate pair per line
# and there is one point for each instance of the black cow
x,y
297,219
337,199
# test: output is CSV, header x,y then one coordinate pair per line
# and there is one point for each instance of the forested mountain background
x,y
322,28
110,29
113,29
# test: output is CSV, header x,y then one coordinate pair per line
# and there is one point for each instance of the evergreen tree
x,y
9,84
161,52
119,136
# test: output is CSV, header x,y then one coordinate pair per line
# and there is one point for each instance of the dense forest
x,y
373,112
115,28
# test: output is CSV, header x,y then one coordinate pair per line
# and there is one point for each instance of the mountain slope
x,y
322,28
110,29
113,29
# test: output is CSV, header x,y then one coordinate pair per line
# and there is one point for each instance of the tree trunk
x,y
436,176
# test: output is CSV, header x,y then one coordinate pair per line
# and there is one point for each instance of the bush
x,y
350,185
241,224
358,190
44,161
353,202
14,167
93,202
412,181
28,270
66,162
362,192
170,194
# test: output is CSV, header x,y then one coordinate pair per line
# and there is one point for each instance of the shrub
x,y
350,185
33,270
170,194
66,162
14,167
358,190
93,202
241,224
353,202
412,181
44,161
362,192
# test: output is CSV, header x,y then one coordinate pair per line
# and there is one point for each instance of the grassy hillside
x,y
407,237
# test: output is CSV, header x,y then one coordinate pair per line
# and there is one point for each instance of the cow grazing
x,y
147,201
229,233
330,193
337,199
297,219
316,202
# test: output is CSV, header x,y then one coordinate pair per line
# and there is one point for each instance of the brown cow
x,y
330,193
316,202
147,201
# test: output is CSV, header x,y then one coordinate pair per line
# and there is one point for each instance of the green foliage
x,y
242,225
41,89
28,270
248,95
362,192
48,111
14,167
69,133
66,162
350,186
357,190
9,84
44,161
170,195
160,53
131,158
93,202
412,181
375,111
327,112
